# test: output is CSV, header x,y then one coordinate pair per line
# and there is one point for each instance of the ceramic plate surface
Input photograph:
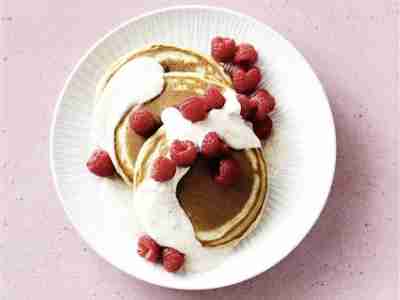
x,y
301,153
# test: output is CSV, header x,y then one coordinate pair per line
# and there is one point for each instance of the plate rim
x,y
56,112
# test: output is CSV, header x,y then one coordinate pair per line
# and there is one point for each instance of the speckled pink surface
x,y
352,251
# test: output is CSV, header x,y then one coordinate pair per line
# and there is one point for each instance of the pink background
x,y
352,251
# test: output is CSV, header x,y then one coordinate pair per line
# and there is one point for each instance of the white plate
x,y
301,153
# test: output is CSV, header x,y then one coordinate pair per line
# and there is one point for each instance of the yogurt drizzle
x,y
155,203
227,122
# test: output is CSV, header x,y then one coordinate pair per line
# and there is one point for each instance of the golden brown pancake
x,y
219,215
220,203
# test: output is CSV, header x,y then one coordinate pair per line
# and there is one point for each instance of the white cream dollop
x,y
160,215
136,82
227,122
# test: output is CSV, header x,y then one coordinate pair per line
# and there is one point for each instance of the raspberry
x,y
184,153
228,172
223,49
148,248
163,169
194,109
248,107
100,164
245,55
214,99
143,122
263,128
265,103
212,146
225,150
246,81
172,259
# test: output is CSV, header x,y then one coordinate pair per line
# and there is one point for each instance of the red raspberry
x,y
225,150
246,81
143,122
148,248
228,172
214,98
265,103
223,49
163,169
248,107
100,164
194,109
263,128
212,146
184,153
172,259
245,55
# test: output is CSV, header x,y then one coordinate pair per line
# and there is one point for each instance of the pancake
x,y
220,216
178,87
173,59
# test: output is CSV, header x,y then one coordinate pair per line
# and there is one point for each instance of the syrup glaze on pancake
x,y
241,230
210,205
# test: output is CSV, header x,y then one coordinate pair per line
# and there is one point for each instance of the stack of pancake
x,y
220,215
